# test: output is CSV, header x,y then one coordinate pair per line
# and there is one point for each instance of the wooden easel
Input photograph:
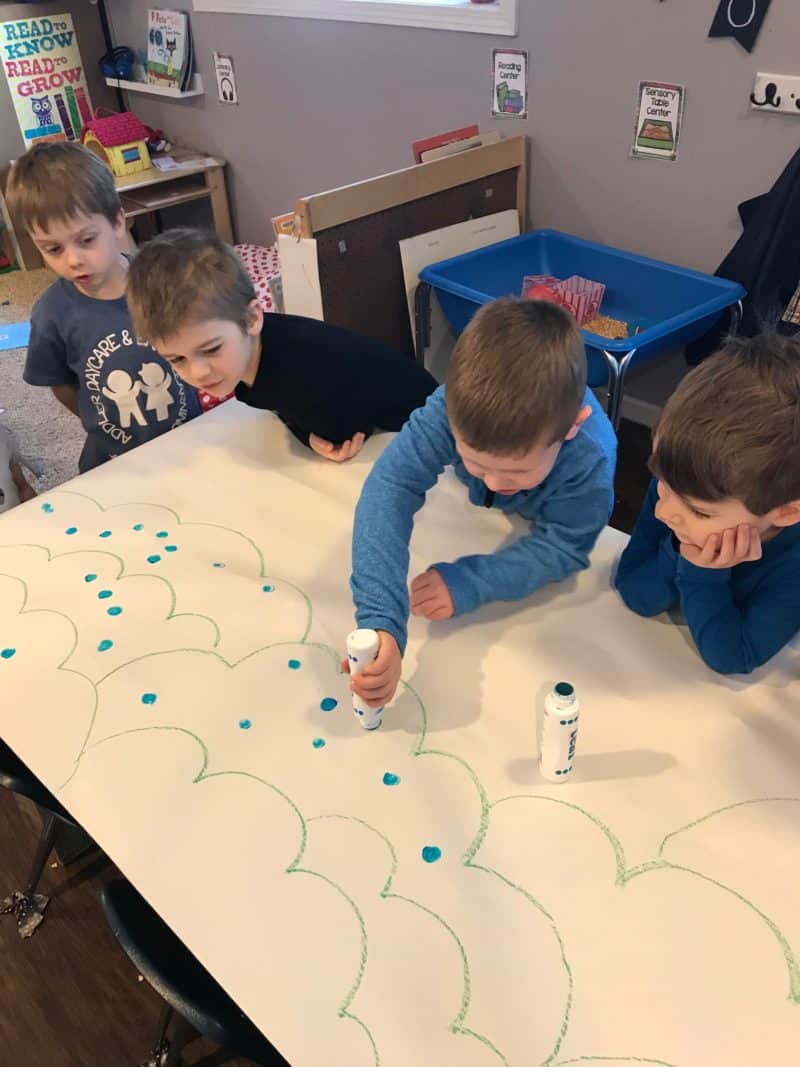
x,y
357,229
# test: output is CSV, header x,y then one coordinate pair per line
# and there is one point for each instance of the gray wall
x,y
90,42
327,103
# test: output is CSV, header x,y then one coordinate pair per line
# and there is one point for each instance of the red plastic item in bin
x,y
580,296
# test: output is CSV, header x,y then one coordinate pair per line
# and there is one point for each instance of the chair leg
x,y
28,906
163,1054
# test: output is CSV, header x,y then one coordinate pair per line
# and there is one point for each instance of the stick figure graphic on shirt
x,y
124,392
156,382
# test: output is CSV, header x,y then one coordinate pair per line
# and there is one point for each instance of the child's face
x,y
507,475
84,249
215,355
693,521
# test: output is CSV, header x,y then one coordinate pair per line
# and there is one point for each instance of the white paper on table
x,y
302,294
426,248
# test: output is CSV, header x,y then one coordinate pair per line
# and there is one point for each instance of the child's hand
x,y
24,488
377,684
337,453
740,544
430,596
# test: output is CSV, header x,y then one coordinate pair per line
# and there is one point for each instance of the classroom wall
x,y
90,40
326,103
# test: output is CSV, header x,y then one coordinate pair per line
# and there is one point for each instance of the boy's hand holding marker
x,y
377,683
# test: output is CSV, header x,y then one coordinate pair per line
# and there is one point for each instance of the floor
x,y
69,995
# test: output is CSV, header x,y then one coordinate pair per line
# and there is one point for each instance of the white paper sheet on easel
x,y
426,248
302,293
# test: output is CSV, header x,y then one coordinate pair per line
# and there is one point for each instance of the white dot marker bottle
x,y
559,733
362,649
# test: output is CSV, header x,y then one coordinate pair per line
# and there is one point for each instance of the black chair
x,y
186,987
26,905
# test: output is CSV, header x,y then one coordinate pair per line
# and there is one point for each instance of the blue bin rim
x,y
729,292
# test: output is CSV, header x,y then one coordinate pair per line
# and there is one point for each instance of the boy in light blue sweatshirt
x,y
524,434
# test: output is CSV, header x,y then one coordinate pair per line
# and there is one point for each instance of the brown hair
x,y
517,377
56,181
731,430
186,276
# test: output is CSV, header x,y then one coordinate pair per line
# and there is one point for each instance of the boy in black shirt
x,y
191,298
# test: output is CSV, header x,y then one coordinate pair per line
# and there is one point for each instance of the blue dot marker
x,y
267,588
170,548
115,611
431,853
217,564
105,533
104,594
318,742
153,559
162,533
71,530
328,704
105,645
244,724
90,577
149,698
138,527
390,779
7,653
47,509
294,664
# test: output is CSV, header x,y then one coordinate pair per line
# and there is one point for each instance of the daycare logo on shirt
x,y
126,397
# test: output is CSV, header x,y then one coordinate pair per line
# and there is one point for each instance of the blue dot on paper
x,y
294,664
71,530
105,645
318,742
170,548
139,526
267,588
90,577
104,594
328,704
244,724
7,653
153,559
149,698
162,533
390,779
48,508
115,611
105,533
431,853
218,564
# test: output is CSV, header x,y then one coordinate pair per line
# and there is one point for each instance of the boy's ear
x,y
787,514
255,318
580,419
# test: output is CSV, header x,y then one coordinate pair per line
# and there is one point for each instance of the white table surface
x,y
645,911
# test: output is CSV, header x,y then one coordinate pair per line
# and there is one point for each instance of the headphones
x,y
118,63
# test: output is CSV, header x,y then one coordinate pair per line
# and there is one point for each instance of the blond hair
x,y
57,181
731,430
517,377
185,276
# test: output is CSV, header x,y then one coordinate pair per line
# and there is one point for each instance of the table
x,y
201,177
644,911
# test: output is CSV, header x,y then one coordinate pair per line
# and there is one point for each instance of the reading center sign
x,y
659,116
46,78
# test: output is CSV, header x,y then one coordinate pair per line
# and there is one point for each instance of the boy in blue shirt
x,y
719,533
82,344
524,434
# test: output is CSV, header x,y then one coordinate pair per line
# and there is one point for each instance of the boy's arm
x,y
46,362
68,396
645,576
564,533
392,494
733,638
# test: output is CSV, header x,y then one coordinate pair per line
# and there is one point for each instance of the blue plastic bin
x,y
672,305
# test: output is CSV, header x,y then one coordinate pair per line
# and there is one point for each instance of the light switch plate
x,y
776,93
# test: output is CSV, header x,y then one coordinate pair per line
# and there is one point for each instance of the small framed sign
x,y
509,83
659,117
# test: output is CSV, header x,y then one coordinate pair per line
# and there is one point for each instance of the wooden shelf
x,y
154,199
195,88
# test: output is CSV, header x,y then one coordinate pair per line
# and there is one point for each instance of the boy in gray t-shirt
x,y
82,343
